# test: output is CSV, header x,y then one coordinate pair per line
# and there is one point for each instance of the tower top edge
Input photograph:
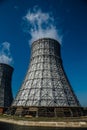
x,y
4,64
43,39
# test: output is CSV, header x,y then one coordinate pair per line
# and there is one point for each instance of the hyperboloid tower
x,y
6,96
46,90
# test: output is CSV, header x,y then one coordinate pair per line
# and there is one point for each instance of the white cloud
x,y
5,55
41,25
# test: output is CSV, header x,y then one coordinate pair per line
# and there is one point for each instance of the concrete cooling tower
x,y
6,97
46,90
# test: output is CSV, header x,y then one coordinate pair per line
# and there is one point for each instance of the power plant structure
x,y
46,90
6,96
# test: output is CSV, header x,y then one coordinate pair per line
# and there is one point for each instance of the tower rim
x,y
46,38
7,65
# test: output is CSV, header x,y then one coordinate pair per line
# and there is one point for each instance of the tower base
x,y
48,111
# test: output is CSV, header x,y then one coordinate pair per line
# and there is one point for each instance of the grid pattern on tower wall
x,y
46,83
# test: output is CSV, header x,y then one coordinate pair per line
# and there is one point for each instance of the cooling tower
x,y
46,90
5,86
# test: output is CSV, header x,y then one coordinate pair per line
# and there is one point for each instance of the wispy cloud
x,y
5,55
16,7
41,25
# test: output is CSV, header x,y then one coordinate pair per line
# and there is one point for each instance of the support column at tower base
x,y
1,110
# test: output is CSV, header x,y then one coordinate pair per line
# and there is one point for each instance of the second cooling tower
x,y
6,96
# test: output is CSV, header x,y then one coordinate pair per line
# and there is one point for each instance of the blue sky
x,y
70,20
